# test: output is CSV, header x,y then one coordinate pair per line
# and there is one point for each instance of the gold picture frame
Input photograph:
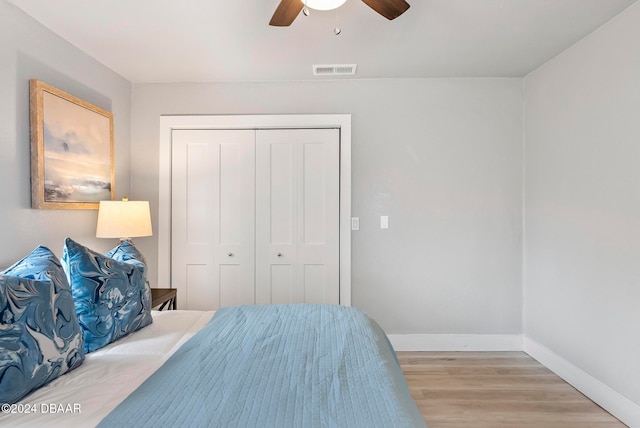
x,y
72,163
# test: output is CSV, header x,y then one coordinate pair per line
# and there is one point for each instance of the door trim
x,y
340,121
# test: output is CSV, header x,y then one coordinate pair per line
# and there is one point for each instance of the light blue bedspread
x,y
297,365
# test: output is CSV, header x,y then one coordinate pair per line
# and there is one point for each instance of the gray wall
x,y
582,216
441,157
29,51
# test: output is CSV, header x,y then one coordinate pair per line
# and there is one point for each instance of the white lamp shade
x,y
123,219
324,4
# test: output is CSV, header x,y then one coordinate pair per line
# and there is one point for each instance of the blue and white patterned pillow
x,y
40,338
126,252
111,297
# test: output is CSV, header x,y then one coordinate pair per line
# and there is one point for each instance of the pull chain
x,y
337,30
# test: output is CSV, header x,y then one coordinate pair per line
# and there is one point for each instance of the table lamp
x,y
123,219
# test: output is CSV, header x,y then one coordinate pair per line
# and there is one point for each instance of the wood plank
x,y
496,389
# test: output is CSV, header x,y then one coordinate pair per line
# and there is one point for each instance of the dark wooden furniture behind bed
x,y
163,297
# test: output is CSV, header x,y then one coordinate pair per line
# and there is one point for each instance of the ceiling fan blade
x,y
390,9
286,13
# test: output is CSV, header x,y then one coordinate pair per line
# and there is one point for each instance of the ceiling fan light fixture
x,y
288,10
324,4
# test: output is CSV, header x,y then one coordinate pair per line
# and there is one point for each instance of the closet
x,y
255,216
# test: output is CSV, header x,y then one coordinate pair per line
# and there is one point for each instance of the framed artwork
x,y
71,150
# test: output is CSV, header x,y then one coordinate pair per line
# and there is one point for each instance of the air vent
x,y
335,70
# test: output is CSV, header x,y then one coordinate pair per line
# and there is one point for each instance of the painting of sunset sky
x,y
77,152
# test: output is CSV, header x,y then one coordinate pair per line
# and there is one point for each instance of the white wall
x,y
440,157
582,215
29,51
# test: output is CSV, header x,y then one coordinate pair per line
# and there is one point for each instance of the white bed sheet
x,y
107,376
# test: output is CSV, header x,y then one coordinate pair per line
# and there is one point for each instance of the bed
x,y
80,346
134,381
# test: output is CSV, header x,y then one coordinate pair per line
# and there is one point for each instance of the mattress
x,y
84,396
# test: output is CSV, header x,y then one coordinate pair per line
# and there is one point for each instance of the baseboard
x,y
619,406
456,342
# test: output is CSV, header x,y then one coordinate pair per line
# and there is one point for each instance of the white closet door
x,y
297,216
213,208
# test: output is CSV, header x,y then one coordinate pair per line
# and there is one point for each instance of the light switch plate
x,y
384,222
355,223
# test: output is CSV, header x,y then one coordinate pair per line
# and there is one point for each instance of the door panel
x,y
213,193
198,294
282,186
297,214
282,289
313,164
231,192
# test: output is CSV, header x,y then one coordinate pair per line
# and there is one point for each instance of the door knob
x,y
279,254
230,254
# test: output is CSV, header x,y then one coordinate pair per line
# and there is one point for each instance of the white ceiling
x,y
216,40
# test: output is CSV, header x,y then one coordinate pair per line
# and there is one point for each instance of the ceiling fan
x,y
288,10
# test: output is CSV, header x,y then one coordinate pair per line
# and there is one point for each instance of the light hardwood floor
x,y
495,390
